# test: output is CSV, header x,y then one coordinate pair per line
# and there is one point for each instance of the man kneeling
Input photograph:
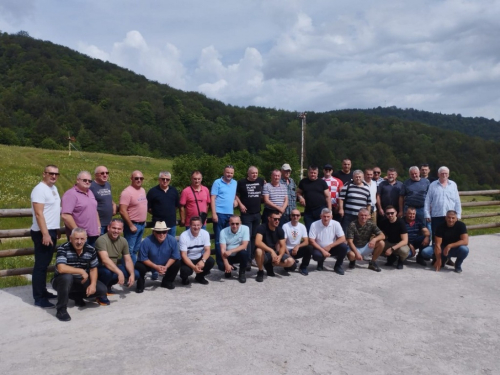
x,y
233,247
76,273
195,252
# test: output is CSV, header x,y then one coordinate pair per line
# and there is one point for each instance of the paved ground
x,y
414,321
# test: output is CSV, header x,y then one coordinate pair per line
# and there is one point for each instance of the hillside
x,y
49,91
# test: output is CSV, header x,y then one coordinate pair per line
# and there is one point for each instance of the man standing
x,y
233,246
106,207
297,241
195,200
364,238
344,174
413,193
270,247
425,171
45,206
163,200
372,185
314,194
418,235
396,234
110,247
75,276
388,193
79,209
442,197
291,188
327,239
275,197
334,184
249,200
194,244
158,252
353,196
451,240
134,211
222,198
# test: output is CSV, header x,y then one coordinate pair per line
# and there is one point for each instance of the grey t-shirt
x,y
104,200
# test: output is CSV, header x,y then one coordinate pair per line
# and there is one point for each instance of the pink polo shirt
x,y
137,203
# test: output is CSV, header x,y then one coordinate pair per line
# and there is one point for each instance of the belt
x,y
138,222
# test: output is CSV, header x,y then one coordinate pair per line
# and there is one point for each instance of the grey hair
x,y
326,211
357,171
164,173
78,230
443,168
414,168
83,172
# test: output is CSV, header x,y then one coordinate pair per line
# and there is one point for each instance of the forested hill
x,y
48,91
475,126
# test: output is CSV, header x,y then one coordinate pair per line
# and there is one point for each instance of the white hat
x,y
286,167
160,226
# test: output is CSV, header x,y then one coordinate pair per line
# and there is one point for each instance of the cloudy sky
x,y
434,55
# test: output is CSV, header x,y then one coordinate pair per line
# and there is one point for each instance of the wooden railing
x,y
26,212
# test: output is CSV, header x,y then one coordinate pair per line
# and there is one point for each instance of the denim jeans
x,y
223,222
252,221
459,252
43,257
70,286
109,278
134,239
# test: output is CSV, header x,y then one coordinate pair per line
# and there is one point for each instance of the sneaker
x,y
320,267
270,270
449,262
168,285
110,292
352,264
44,304
421,261
458,269
339,270
374,266
79,302
103,301
242,278
185,281
260,276
154,275
400,264
62,315
303,271
49,295
228,275
201,280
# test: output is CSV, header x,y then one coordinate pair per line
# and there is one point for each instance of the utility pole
x,y
303,148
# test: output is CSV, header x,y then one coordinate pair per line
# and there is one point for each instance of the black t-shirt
x,y
393,231
314,193
450,234
270,237
344,177
250,193
163,204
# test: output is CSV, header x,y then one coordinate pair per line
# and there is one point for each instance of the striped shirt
x,y
335,186
66,254
194,246
441,199
355,198
277,194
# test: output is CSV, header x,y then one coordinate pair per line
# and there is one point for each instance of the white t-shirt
x,y
373,194
195,246
49,197
294,235
325,235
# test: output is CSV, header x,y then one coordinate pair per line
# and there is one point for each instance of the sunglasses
x,y
390,213
295,215
275,219
104,173
376,172
138,178
165,179
234,223
85,180
161,233
52,173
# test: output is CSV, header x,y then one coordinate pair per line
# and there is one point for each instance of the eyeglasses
x,y
138,178
52,173
234,223
390,213
295,215
85,180
104,173
165,179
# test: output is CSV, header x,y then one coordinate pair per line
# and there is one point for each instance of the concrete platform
x,y
411,321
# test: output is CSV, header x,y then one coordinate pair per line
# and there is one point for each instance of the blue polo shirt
x,y
224,195
158,253
233,240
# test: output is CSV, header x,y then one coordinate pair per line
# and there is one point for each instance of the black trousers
x,y
305,253
168,277
70,286
339,251
187,271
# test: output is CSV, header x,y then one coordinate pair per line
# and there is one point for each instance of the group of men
x,y
351,214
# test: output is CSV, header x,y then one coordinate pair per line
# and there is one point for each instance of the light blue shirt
x,y
224,192
441,199
233,240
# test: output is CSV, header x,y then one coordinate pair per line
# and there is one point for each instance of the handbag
x,y
203,215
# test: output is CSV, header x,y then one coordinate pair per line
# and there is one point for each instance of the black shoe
x,y
234,268
260,276
49,295
185,281
62,315
374,266
320,266
450,262
458,269
168,285
400,264
270,270
352,264
338,270
137,290
80,302
390,260
44,304
242,278
201,280
228,275
421,261
249,267
140,285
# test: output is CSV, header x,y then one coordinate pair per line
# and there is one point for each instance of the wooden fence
x,y
26,212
